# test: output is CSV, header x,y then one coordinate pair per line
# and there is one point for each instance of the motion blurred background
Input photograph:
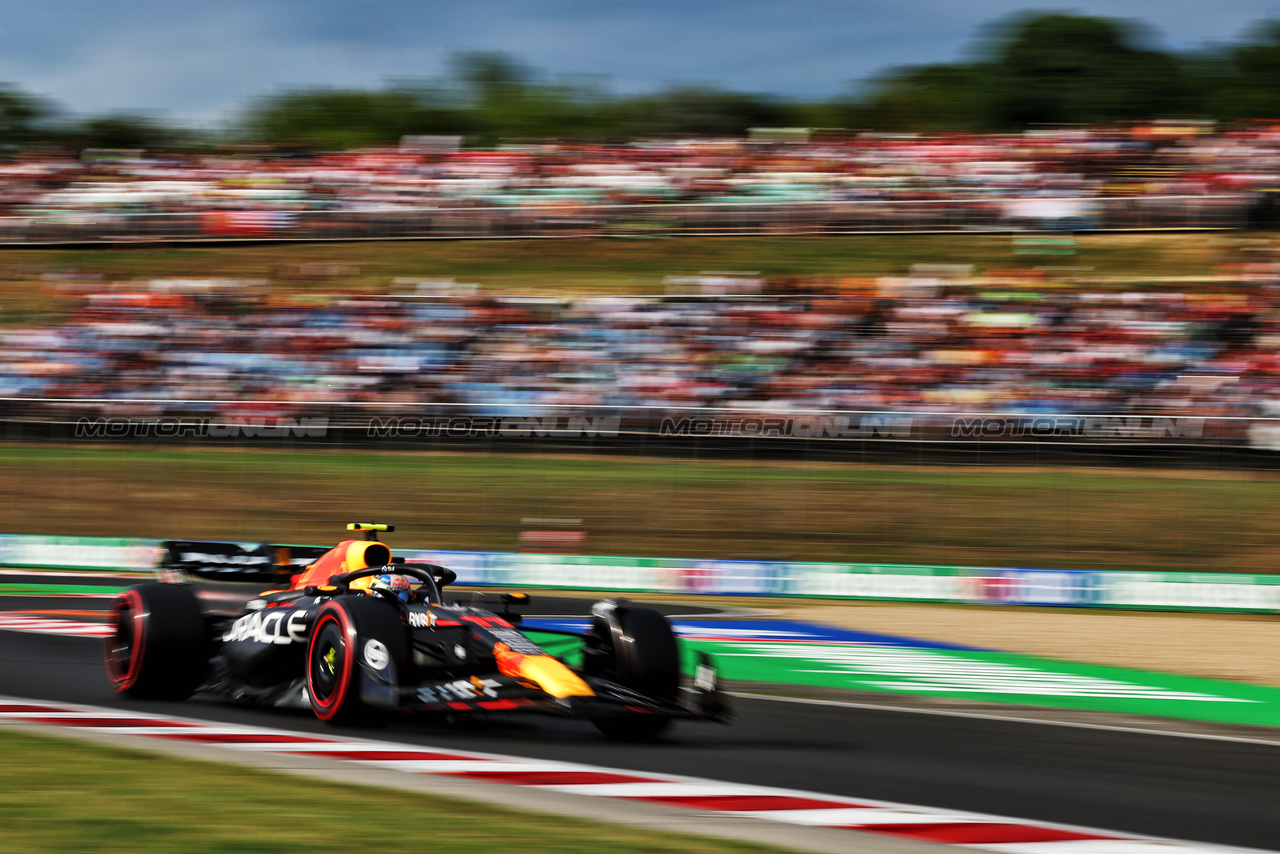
x,y
1019,309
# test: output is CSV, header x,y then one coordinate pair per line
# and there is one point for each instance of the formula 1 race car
x,y
357,633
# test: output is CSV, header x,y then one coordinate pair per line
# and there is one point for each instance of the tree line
x,y
1029,70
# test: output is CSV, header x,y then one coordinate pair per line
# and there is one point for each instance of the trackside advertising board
x,y
90,553
1175,591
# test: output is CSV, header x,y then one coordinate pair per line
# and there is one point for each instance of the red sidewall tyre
x,y
126,646
159,648
340,700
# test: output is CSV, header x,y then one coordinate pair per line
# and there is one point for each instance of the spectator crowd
x,y
263,191
924,344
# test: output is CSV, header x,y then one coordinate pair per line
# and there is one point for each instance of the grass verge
x,y
62,797
602,266
656,506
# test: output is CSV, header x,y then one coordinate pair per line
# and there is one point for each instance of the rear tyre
x,y
637,649
159,649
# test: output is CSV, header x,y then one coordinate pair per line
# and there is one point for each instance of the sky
x,y
198,63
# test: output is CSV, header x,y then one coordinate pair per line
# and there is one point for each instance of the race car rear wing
x,y
266,563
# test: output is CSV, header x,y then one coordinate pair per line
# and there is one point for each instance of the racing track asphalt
x,y
1215,791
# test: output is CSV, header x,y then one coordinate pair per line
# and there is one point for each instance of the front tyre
x,y
346,629
332,677
636,648
159,646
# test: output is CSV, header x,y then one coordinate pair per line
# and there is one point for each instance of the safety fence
x,y
1174,591
1147,493
390,421
748,431
690,219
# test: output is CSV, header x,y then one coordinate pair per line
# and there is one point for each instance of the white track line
x,y
51,626
948,713
787,806
102,630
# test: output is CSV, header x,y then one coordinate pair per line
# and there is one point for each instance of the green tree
x,y
124,131
925,98
346,118
21,117
506,99
1254,88
701,110
1034,68
490,79
1052,68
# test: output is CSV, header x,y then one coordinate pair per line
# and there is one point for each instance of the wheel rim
x,y
327,662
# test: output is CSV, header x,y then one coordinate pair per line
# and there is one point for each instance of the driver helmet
x,y
399,586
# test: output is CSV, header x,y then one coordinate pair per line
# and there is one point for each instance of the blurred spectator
x,y
246,194
954,346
